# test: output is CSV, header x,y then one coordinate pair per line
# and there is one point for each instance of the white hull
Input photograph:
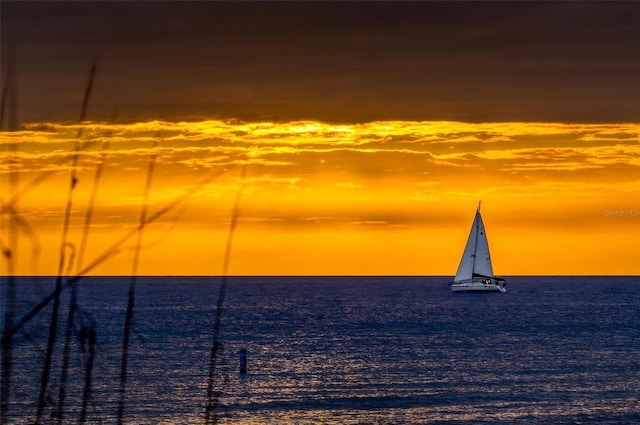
x,y
477,287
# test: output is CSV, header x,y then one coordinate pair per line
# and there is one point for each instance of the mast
x,y
475,245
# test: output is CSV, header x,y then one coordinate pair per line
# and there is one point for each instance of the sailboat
x,y
475,273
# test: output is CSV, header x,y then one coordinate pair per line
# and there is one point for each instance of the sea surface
x,y
339,350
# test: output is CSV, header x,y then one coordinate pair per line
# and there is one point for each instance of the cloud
x,y
380,148
356,173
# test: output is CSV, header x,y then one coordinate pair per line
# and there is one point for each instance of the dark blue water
x,y
348,350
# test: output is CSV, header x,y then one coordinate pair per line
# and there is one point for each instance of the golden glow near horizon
x,y
358,199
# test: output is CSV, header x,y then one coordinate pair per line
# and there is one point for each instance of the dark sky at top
x,y
332,61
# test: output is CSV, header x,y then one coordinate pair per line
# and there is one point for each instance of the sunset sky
x,y
368,132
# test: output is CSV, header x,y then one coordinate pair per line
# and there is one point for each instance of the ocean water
x,y
343,350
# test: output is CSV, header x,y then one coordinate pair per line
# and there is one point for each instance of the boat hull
x,y
477,287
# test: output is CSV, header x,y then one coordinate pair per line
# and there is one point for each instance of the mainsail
x,y
476,260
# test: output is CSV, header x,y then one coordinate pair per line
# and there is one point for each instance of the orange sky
x,y
394,197
456,102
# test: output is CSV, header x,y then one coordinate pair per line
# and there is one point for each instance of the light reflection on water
x,y
355,350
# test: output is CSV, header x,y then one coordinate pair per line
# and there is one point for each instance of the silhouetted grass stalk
x,y
53,329
132,285
10,253
24,227
73,303
212,395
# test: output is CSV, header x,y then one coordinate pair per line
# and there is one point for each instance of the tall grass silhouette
x,y
73,302
132,285
213,394
80,329
53,329
9,105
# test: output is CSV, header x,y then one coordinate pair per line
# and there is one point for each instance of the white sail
x,y
476,259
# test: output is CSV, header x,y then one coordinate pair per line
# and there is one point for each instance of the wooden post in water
x,y
243,360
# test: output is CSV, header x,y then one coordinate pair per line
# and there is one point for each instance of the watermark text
x,y
615,212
